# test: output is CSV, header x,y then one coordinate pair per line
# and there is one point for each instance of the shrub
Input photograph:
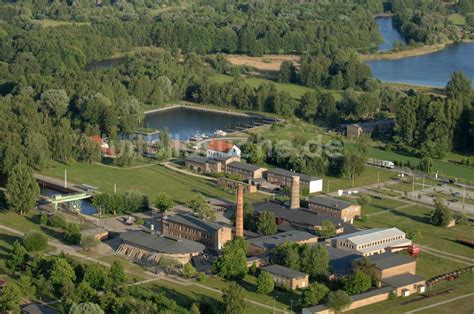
x,y
35,241
72,234
189,271
57,221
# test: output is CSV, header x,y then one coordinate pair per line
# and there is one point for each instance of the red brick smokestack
x,y
239,212
295,193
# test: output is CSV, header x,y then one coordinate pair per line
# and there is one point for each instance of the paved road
x,y
441,303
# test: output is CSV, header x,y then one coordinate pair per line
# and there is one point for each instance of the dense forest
x,y
50,101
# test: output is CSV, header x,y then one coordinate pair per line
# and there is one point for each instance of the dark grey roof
x,y
287,173
340,261
35,308
198,159
390,260
195,223
371,293
402,280
283,271
330,202
163,244
272,241
244,166
296,216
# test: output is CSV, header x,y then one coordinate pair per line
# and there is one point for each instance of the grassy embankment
x,y
150,179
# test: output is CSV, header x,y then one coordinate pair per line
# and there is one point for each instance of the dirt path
x,y
168,165
446,255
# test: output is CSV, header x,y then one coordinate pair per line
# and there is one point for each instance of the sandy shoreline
x,y
419,51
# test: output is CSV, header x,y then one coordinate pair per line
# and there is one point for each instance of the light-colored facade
x,y
372,241
222,149
283,178
286,277
329,206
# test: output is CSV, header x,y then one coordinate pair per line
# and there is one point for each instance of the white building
x,y
224,149
283,178
372,241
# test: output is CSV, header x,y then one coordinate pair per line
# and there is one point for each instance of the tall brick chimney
x,y
295,192
239,212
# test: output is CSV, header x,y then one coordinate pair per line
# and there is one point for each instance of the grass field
x,y
417,218
377,205
429,266
294,90
150,180
461,286
187,295
56,23
457,19
443,167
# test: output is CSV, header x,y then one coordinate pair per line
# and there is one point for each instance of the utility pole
x,y
328,186
378,179
65,178
463,196
115,188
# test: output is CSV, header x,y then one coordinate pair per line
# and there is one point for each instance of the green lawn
x,y
457,19
429,266
444,168
282,299
417,218
187,295
294,90
461,286
21,223
368,177
377,205
150,180
56,23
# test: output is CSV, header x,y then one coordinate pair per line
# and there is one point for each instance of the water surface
x,y
389,33
184,122
432,69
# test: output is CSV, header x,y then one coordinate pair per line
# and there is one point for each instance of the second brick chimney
x,y
239,212
295,193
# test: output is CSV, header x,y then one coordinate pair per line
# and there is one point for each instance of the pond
x,y
104,64
389,33
185,122
432,69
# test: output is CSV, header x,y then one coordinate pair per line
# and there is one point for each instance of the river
x,y
389,34
432,69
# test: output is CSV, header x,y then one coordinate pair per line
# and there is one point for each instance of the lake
x,y
432,69
389,33
184,122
